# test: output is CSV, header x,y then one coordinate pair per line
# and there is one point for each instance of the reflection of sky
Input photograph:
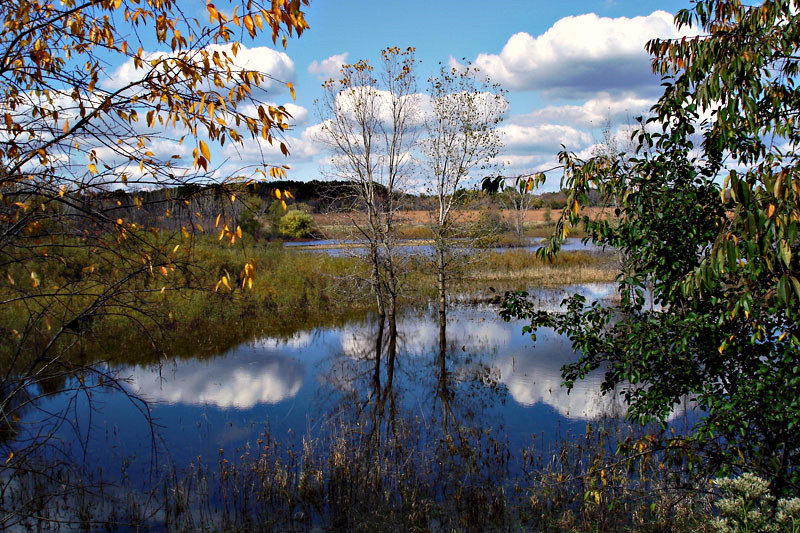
x,y
533,375
271,370
531,372
244,378
420,335
225,401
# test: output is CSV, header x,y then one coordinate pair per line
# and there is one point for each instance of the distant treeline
x,y
318,196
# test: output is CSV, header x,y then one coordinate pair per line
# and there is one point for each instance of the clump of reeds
x,y
566,268
615,477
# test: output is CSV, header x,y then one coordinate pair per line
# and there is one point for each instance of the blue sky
x,y
568,66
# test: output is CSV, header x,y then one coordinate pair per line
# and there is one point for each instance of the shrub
x,y
295,224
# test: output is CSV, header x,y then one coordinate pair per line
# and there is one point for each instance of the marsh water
x,y
292,387
493,385
340,247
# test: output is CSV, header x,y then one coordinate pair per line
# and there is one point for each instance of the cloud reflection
x,y
533,375
242,378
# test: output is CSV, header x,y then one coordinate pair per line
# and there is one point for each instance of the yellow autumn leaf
x,y
35,279
212,12
291,91
10,456
204,150
248,23
92,169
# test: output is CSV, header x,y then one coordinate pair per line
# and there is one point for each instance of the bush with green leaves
x,y
709,235
295,224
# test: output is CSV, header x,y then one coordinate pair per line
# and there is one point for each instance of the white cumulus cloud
x,y
277,66
328,68
580,55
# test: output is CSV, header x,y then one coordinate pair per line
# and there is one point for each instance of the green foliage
x,y
548,214
275,212
709,285
247,218
746,506
295,224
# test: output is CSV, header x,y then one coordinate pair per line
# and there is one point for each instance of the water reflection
x,y
272,370
423,247
242,378
532,380
485,377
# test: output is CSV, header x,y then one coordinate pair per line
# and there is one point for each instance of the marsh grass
x,y
567,268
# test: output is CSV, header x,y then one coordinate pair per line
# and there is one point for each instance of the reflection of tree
x,y
423,422
45,445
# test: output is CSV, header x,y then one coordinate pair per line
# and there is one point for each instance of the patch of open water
x,y
498,377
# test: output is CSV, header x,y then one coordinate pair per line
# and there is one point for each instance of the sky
x,y
570,67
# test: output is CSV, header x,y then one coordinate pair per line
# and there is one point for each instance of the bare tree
x,y
519,198
462,137
370,123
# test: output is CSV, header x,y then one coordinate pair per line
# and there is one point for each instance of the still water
x,y
498,379
344,247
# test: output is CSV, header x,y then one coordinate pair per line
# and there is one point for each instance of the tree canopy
x,y
708,225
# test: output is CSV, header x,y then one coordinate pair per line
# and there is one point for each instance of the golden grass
x,y
552,275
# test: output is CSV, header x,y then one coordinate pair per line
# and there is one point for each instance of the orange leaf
x,y
212,12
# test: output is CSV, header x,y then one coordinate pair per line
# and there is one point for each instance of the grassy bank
x,y
291,290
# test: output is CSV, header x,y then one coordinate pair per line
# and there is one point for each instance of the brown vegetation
x,y
534,216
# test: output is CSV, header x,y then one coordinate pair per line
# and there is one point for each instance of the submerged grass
x,y
396,475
